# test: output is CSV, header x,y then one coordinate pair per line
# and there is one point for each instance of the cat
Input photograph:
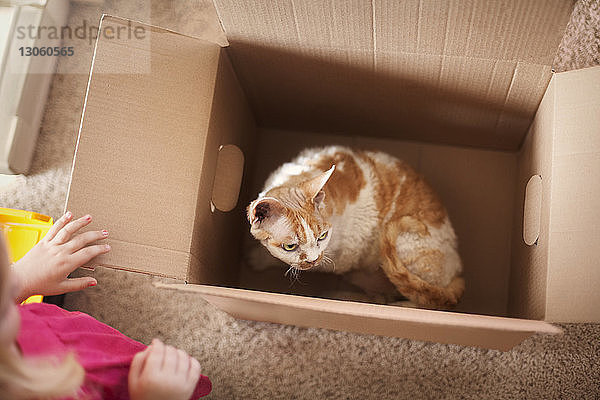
x,y
358,212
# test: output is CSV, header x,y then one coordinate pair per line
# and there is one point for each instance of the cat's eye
x,y
289,247
322,236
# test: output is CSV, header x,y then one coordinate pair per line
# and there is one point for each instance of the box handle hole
x,y
532,213
228,178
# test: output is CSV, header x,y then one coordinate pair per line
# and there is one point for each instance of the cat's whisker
x,y
293,274
298,271
288,271
329,261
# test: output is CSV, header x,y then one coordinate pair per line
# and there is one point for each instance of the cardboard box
x,y
173,124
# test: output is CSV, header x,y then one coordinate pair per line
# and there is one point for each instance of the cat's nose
x,y
315,261
309,264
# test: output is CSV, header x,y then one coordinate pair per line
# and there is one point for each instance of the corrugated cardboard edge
x,y
87,92
160,28
464,329
219,19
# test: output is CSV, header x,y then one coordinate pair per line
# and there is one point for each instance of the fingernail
x,y
104,232
92,284
107,247
68,214
88,217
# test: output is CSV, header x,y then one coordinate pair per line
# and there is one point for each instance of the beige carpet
x,y
250,360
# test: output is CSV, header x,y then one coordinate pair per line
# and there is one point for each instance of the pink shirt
x,y
104,352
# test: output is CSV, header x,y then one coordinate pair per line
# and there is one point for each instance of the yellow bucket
x,y
22,230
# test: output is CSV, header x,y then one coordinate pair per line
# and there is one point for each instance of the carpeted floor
x,y
251,360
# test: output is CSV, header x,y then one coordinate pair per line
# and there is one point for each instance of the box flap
x,y
433,70
435,326
572,293
141,143
500,30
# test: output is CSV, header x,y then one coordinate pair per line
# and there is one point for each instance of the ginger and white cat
x,y
347,211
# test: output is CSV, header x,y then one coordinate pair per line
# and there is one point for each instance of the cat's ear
x,y
265,210
318,199
314,187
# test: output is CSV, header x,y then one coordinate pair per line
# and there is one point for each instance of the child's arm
x,y
45,268
163,372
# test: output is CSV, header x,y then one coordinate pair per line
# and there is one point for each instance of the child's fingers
x,y
83,239
83,256
64,235
170,360
183,363
195,370
156,356
75,284
137,366
58,225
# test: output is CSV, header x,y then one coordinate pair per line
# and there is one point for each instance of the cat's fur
x,y
378,212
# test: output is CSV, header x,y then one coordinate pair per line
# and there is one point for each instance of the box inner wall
x,y
476,186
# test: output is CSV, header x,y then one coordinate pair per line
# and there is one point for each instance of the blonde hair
x,y
45,378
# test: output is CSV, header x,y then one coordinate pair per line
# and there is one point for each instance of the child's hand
x,y
163,372
45,268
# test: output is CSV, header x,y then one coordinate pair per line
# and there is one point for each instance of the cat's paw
x,y
259,259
